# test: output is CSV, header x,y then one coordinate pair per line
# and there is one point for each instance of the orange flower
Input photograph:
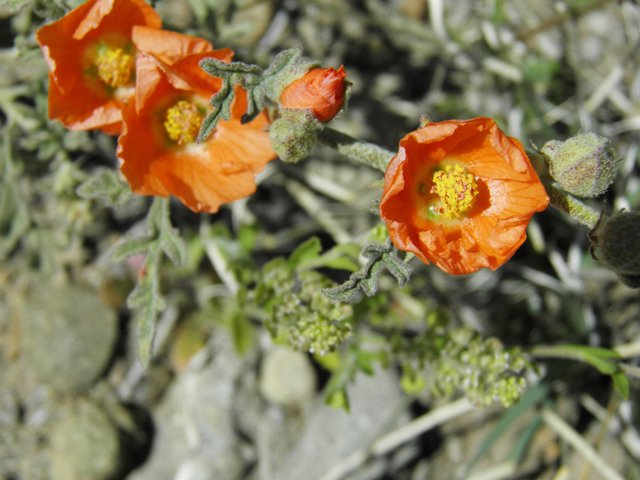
x,y
320,90
460,194
92,61
157,147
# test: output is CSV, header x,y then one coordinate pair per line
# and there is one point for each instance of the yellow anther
x,y
456,189
115,68
183,122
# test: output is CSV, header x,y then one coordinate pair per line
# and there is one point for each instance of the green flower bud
x,y
614,242
584,165
293,135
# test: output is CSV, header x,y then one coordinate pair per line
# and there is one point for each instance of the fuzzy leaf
x,y
171,243
129,247
221,102
174,247
147,295
255,104
14,214
225,70
284,60
105,186
147,321
367,278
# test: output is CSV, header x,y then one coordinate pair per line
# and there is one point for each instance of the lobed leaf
x,y
105,186
367,278
225,70
221,102
129,247
284,60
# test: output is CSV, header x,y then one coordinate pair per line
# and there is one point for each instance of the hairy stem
x,y
364,152
570,205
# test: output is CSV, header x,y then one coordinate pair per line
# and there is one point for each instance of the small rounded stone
x,y
68,336
84,444
287,377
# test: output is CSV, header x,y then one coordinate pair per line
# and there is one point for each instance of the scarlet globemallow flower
x,y
157,147
91,60
460,194
320,90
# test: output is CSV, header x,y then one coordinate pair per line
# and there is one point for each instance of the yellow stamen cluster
x,y
456,189
115,68
183,122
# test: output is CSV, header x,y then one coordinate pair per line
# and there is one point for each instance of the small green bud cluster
x,y
299,314
584,165
614,242
460,359
318,335
481,368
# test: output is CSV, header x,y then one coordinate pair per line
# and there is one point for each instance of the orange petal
x,y
200,182
168,46
115,16
151,82
320,90
138,147
84,109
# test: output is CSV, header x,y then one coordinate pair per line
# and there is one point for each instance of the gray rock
x,y
195,435
84,444
330,436
67,336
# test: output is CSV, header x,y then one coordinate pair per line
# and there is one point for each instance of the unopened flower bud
x,y
293,135
584,165
614,242
320,90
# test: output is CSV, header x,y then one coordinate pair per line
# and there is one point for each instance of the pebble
x,y
68,336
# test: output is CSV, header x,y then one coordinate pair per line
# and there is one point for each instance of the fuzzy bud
x,y
293,135
320,90
584,165
614,242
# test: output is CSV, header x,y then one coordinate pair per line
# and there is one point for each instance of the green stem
x,y
555,351
570,205
559,198
364,152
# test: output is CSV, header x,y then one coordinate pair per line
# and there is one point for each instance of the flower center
x,y
456,189
183,122
115,67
